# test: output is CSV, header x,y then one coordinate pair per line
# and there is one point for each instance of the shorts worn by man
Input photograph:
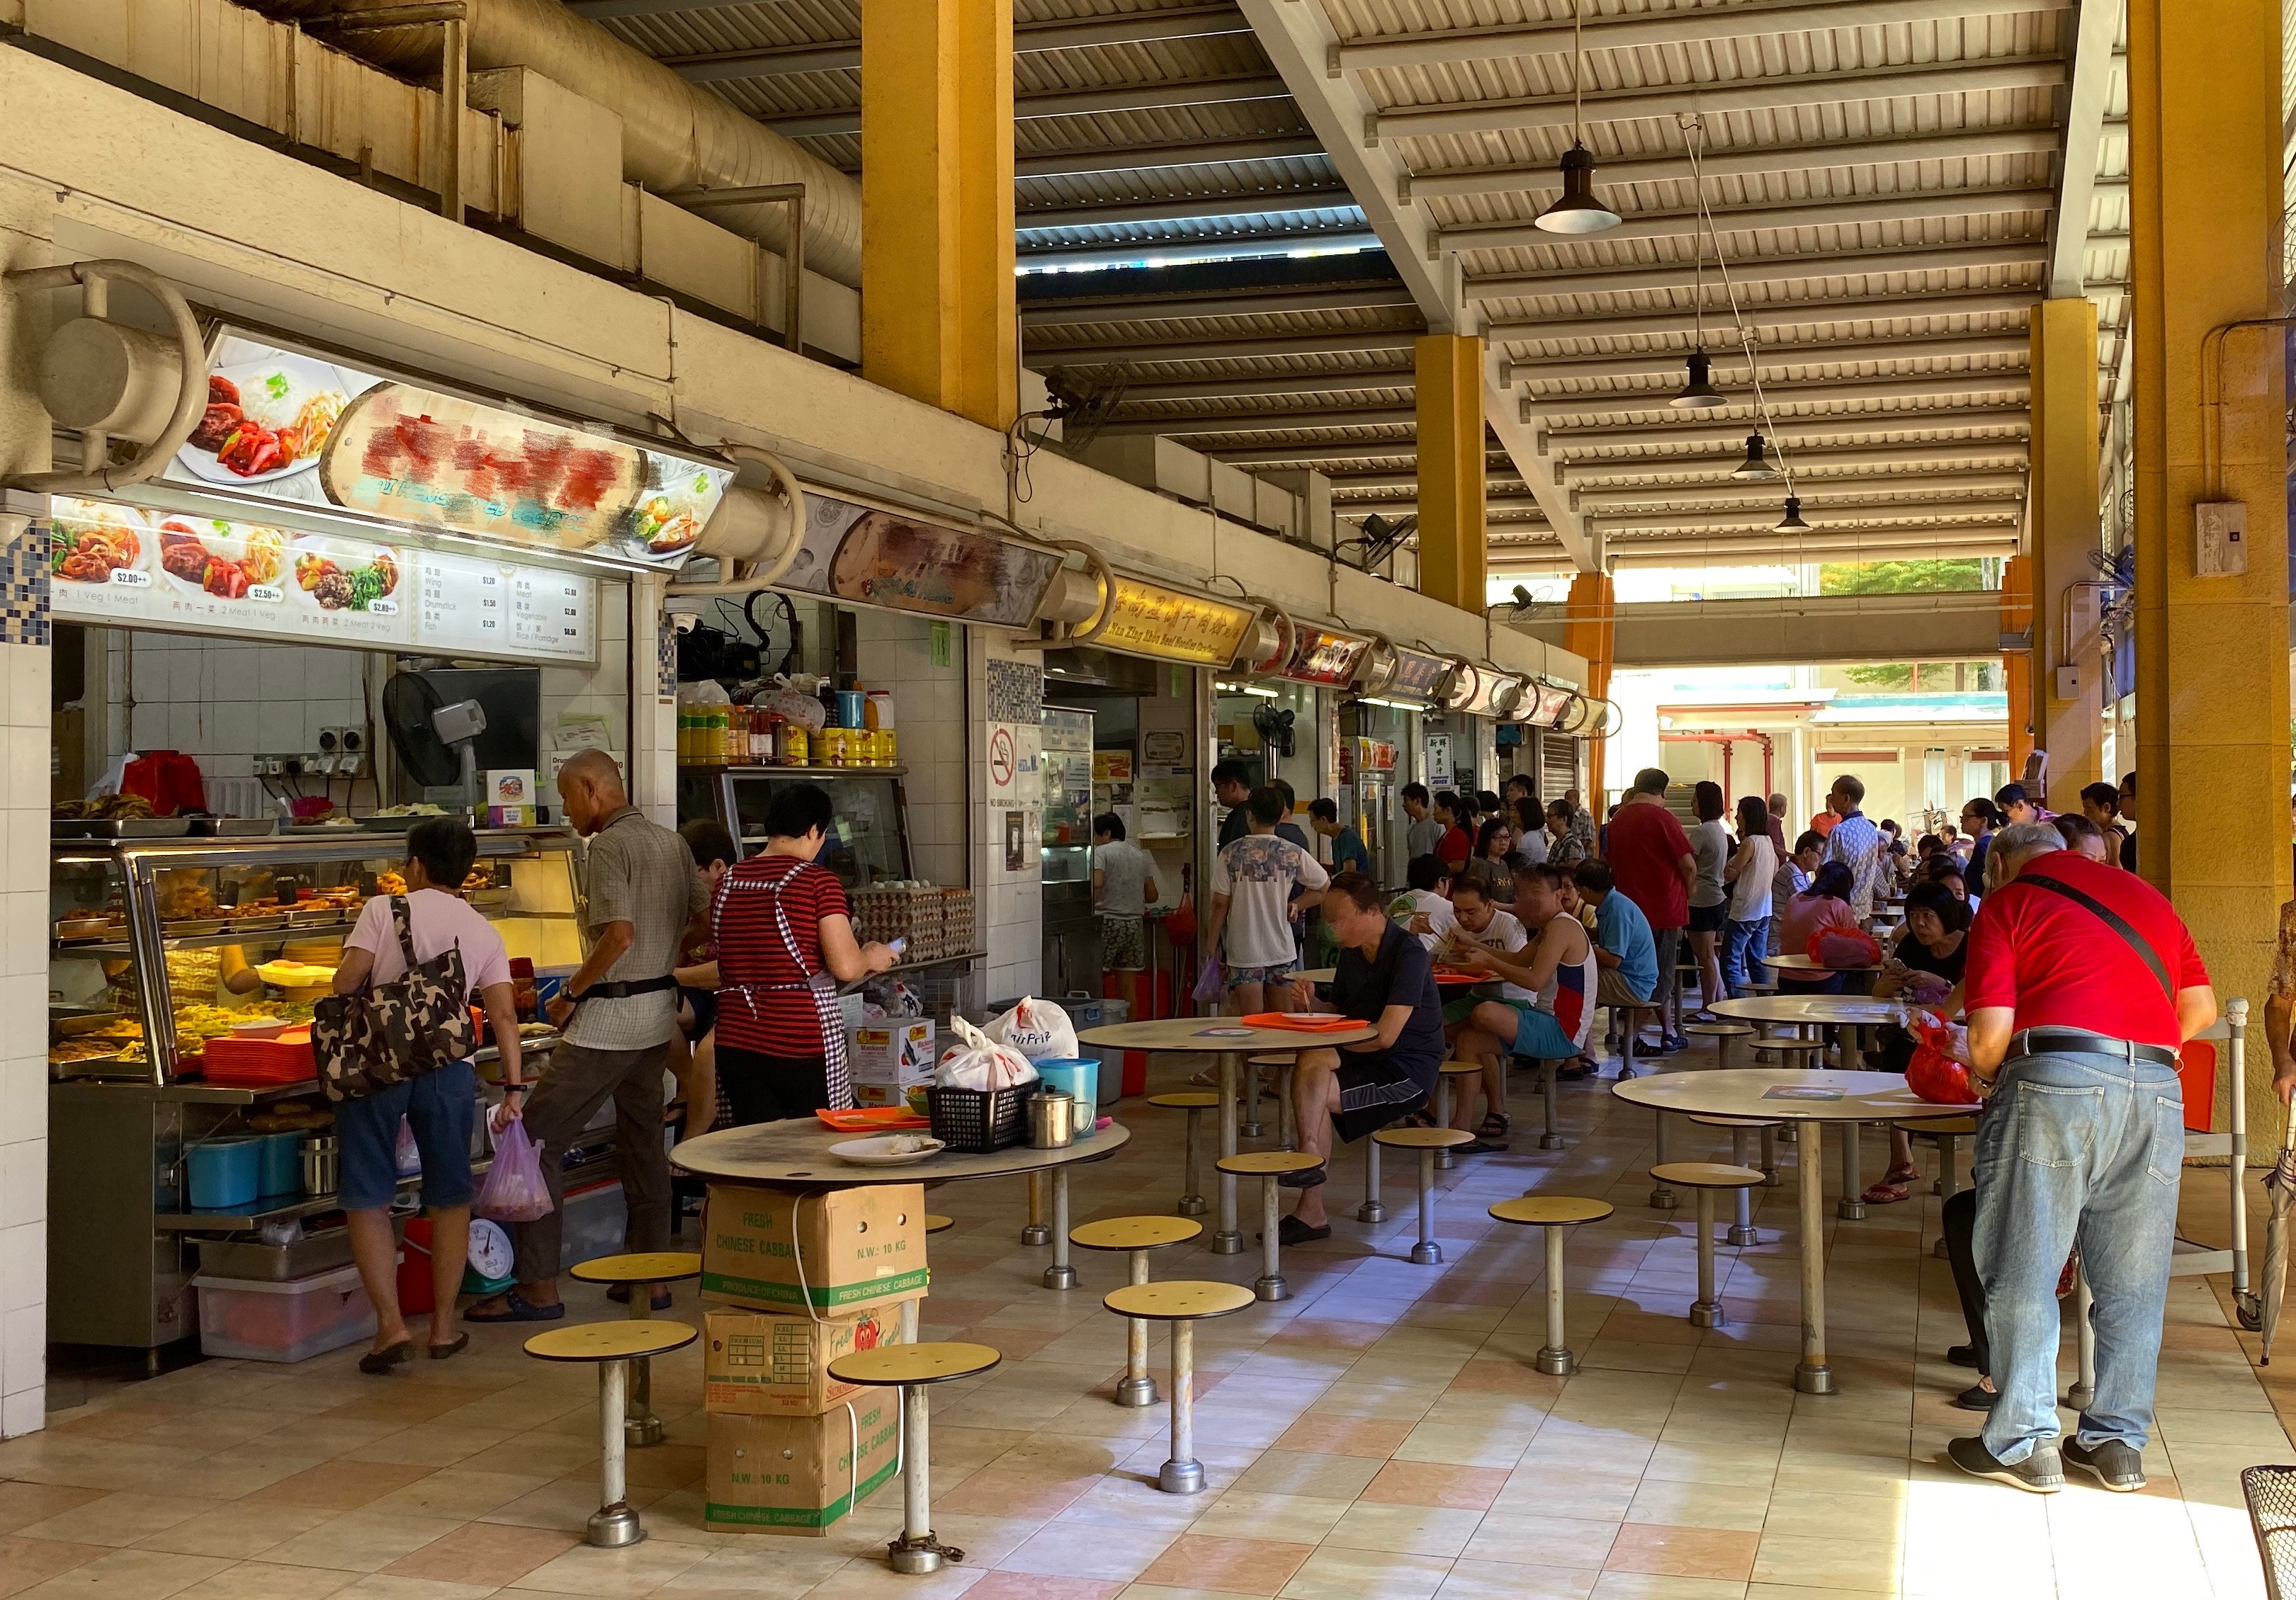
x,y
2081,984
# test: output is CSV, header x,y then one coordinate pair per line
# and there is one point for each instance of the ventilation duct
x,y
676,137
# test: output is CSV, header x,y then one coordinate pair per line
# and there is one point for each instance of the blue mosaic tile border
x,y
24,617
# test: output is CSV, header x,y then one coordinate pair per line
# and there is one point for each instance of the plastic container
x,y
1078,1078
281,1164
225,1172
978,1122
247,1320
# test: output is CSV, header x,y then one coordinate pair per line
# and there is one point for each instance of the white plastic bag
x,y
1038,1029
977,1061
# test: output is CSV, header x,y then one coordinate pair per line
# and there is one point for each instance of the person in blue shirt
x,y
1624,947
1347,850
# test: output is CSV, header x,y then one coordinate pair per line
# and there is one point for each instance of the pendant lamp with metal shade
x,y
1699,394
1578,210
1791,522
1756,468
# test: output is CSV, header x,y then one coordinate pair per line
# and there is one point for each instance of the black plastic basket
x,y
977,1122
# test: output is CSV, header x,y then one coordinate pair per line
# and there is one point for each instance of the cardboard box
x,y
760,1363
800,1474
839,1252
890,1058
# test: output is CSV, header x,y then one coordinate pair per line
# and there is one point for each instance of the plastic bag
x,y
1839,949
978,1063
1037,1028
408,1156
514,1190
1933,1073
1209,989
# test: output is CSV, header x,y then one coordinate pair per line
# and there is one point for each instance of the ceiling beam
x,y
1925,205
1811,458
1686,26
1257,244
1712,434
726,66
1817,493
1300,420
1172,95
1272,302
1357,450
1912,544
2077,181
1766,314
1151,158
1936,386
1276,203
1341,343
1791,268
1359,380
1444,183
1786,92
1730,364
1763,518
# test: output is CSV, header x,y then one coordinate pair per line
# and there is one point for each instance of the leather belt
x,y
623,989
2074,1041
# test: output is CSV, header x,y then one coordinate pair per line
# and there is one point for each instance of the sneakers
x,y
2039,1474
2120,1467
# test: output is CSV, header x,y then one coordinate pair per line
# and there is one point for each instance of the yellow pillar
x,y
939,321
1453,555
2212,746
2017,665
1590,629
2065,535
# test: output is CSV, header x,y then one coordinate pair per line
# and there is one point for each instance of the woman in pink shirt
x,y
1824,904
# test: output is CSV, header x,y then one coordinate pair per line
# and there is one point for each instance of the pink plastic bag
x,y
514,1190
1209,989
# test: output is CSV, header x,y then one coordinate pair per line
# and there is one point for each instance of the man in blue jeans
x,y
2081,984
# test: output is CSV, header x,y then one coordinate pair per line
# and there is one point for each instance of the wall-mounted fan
x,y
1273,725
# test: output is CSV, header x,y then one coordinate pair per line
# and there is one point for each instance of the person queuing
x,y
1655,868
693,1058
2129,820
1424,833
2015,805
1824,904
2081,984
1924,967
1457,846
1254,882
1751,876
2083,837
1494,845
616,1014
1709,893
1776,805
1232,789
2101,804
1528,820
1347,852
1384,977
1626,951
1566,845
1979,821
1858,845
1123,887
1545,1008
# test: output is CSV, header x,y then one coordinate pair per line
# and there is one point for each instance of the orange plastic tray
x,y
1277,1019
874,1119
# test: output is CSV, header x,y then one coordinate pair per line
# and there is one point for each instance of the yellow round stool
x,y
1703,1177
614,1346
1183,1303
1426,1141
1554,1214
1742,1130
1949,1133
1445,1096
1135,1236
1195,1103
939,1225
914,1368
638,1272
1283,1062
1267,1166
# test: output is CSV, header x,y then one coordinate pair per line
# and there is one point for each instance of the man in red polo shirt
x,y
2081,984
1653,866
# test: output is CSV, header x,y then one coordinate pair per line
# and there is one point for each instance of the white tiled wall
x,y
24,678
929,714
223,701
1012,903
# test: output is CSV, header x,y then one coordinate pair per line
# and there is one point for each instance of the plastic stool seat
x,y
1707,1175
1181,1303
1725,1030
1267,1164
1426,1141
1460,1068
1177,1300
614,1348
939,1225
1194,1102
890,1366
1198,1099
1952,1126
646,1267
1135,1232
914,1368
1552,1212
1423,1138
623,1340
1720,1120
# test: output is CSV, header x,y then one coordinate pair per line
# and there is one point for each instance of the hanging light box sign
x,y
1468,688
1544,703
887,558
1148,619
1417,674
1322,655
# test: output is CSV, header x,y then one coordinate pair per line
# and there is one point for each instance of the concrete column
x,y
1590,629
1453,537
2065,535
2017,665
939,322
2213,652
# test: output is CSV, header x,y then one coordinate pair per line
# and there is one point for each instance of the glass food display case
x,y
871,843
161,946
1071,947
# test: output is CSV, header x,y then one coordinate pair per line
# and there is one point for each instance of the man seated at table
x,y
1482,925
1425,906
1545,1008
1384,977
1626,951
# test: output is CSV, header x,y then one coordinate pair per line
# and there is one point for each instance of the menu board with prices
x,y
122,564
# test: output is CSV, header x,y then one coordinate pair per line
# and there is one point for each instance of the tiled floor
x,y
1381,1435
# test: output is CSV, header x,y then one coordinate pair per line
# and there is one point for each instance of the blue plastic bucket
x,y
282,1170
1077,1076
226,1172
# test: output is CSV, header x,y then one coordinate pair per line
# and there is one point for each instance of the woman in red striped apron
x,y
784,933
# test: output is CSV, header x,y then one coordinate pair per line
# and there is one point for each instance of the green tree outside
x,y
1931,576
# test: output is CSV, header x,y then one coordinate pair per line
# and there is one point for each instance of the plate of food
x,y
89,540
666,520
346,575
230,560
265,419
889,1150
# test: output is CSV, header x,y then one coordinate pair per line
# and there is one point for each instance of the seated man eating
x,y
1384,977
1559,981
1482,925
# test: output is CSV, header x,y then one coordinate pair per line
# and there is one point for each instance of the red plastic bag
x,y
1840,949
1932,1074
514,1190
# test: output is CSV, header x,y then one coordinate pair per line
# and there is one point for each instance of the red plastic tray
x,y
874,1119
1277,1019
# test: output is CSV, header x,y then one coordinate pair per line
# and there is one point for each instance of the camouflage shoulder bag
x,y
416,1024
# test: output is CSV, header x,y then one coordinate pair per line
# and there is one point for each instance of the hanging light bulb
x,y
1791,522
1700,392
1579,212
1757,464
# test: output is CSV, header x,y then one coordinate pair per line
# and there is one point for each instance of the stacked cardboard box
x,y
889,1058
810,1276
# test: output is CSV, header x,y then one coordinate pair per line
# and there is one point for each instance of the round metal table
x,y
1231,1041
1832,1010
795,1152
1755,1092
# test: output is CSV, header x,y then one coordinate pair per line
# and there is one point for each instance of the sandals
x,y
1894,1187
620,1295
1494,1126
439,1352
375,1363
515,1308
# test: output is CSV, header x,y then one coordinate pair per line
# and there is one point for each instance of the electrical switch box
x,y
2220,538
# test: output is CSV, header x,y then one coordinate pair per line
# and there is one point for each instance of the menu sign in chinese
x,y
123,565
1321,656
1416,675
282,424
1151,620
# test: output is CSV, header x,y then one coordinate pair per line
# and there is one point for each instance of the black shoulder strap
x,y
2111,919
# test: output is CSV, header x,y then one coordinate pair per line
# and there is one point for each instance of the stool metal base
x,y
1426,1253
1182,1477
1550,1141
1852,1209
1554,1363
1707,1314
1191,1205
1812,1380
1228,1244
613,1527
1662,1199
1035,1232
1136,1391
1248,1130
1059,1277
640,1433
1372,1211
1272,1288
1749,1235
911,1557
